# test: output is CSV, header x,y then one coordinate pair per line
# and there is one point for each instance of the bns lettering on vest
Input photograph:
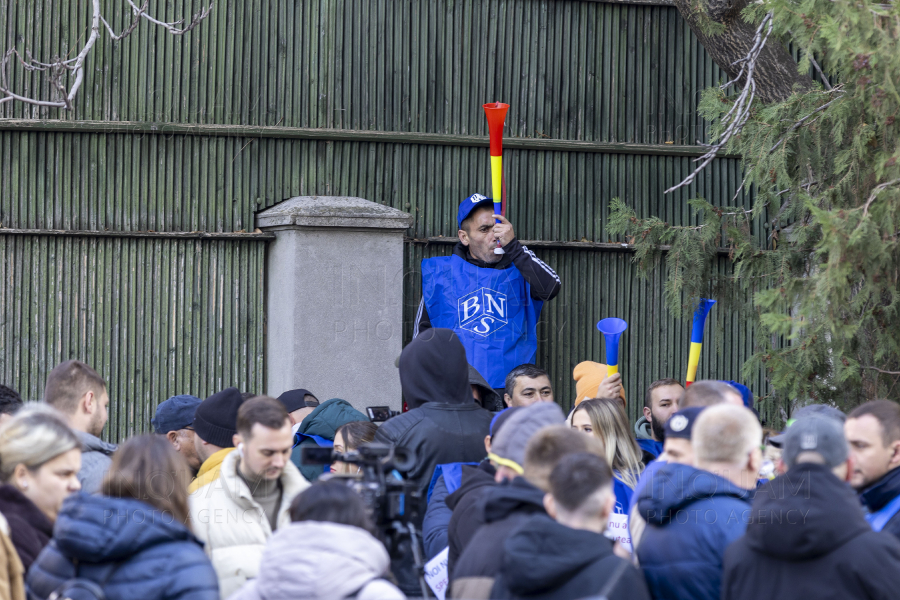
x,y
483,311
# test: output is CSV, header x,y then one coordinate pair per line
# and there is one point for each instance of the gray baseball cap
x,y
815,433
821,410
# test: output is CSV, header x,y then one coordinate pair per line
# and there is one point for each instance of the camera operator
x,y
444,425
328,551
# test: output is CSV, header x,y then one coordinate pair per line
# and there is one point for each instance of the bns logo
x,y
483,311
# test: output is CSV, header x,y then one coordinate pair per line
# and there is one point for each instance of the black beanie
x,y
215,421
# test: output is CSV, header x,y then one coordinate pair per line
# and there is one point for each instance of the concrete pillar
x,y
335,298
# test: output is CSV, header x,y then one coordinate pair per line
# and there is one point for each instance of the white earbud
x,y
240,449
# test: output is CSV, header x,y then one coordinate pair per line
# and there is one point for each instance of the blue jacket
x,y
437,520
692,516
878,494
155,557
446,480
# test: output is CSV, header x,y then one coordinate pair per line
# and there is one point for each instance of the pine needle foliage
x,y
823,286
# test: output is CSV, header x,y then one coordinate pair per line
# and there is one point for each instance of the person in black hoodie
x,y
873,432
569,557
508,505
443,425
807,534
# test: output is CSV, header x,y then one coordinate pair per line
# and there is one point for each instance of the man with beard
x,y
78,392
660,402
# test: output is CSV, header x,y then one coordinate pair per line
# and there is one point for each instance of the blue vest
x,y
490,310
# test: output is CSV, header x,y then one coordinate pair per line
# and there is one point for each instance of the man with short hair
x,y
237,513
78,392
873,432
708,393
527,384
525,451
215,424
174,419
677,449
580,500
693,514
491,301
807,534
660,401
10,403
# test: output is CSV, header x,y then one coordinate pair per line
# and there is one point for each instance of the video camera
x,y
392,502
380,414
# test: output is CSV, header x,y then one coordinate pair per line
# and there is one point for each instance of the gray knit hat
x,y
508,446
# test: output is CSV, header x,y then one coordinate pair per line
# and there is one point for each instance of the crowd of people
x,y
694,501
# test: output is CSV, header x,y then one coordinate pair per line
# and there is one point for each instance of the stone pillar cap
x,y
333,211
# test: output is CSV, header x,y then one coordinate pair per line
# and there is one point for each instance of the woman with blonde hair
x,y
40,457
133,539
604,419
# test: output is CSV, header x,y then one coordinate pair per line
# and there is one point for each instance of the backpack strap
x,y
612,581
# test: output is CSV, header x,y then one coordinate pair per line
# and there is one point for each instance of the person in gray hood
x,y
327,552
79,393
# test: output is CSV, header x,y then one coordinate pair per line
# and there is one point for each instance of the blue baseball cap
x,y
175,413
468,205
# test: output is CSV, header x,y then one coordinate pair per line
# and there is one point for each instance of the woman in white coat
x,y
327,553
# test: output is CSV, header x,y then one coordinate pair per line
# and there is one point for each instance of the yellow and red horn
x,y
699,326
496,116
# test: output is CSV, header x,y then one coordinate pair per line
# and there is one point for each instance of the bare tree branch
x,y
740,110
58,70
878,189
801,121
883,371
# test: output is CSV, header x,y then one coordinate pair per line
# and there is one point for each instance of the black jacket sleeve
x,y
544,281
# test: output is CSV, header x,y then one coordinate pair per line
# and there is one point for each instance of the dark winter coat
x,y
692,516
324,421
29,529
505,507
545,560
154,556
880,493
444,424
467,506
807,537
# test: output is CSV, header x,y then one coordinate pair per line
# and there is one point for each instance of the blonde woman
x,y
604,419
40,457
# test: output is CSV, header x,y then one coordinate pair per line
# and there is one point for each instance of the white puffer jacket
x,y
233,526
322,561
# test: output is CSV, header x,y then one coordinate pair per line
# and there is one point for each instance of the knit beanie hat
x,y
508,446
215,421
588,377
